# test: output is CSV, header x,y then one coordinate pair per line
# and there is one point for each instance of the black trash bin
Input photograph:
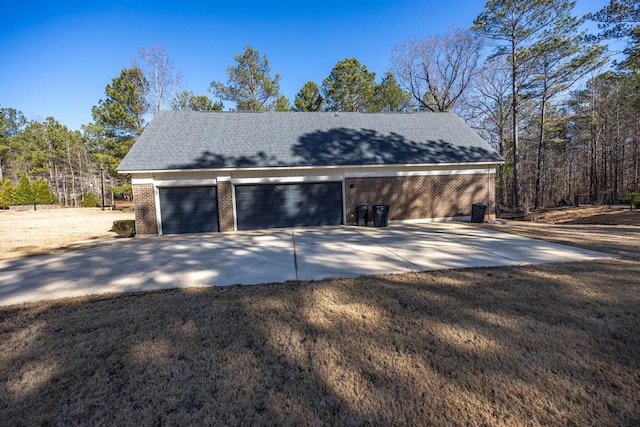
x,y
477,212
362,215
380,215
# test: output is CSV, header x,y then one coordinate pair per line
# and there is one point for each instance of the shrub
x,y
123,190
633,199
24,192
7,193
90,201
42,193
124,227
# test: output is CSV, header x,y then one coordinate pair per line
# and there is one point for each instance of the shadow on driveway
x,y
267,256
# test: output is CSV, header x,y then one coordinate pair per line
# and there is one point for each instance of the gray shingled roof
x,y
215,140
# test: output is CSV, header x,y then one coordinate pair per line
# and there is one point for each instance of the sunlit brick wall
x,y
225,205
145,209
419,197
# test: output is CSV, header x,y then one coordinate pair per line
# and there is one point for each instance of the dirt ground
x,y
600,215
601,228
553,344
49,230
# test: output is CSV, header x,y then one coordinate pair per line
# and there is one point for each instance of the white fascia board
x,y
382,174
275,168
287,179
173,182
185,182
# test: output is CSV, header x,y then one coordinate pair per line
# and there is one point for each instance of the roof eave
x,y
271,168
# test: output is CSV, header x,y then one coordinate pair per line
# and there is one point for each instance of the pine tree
x,y
250,84
281,104
119,118
349,87
189,101
390,97
308,98
519,27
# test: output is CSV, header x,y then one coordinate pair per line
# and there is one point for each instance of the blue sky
x,y
57,57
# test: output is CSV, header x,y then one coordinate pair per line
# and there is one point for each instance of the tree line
x,y
524,75
564,116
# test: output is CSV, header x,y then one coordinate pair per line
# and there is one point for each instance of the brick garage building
x,y
226,171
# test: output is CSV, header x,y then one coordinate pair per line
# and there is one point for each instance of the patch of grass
x,y
52,230
535,345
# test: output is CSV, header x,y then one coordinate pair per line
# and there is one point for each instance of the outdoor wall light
x,y
352,185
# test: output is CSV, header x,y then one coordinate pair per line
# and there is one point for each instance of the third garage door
x,y
288,205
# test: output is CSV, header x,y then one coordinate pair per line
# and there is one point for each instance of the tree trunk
x,y
82,181
635,155
517,201
65,193
538,189
593,178
73,176
501,175
55,182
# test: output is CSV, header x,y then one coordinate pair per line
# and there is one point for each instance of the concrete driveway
x,y
181,261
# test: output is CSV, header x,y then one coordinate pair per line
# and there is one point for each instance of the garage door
x,y
288,205
188,209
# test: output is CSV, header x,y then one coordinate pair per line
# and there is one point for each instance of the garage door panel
x,y
188,209
288,205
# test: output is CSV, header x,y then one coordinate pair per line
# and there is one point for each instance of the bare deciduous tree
x,y
164,81
437,70
487,108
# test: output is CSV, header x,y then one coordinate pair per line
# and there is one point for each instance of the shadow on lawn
x,y
457,347
488,346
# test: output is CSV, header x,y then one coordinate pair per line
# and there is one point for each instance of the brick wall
x,y
145,209
417,197
410,197
225,205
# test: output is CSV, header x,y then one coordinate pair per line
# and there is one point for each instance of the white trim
x,y
278,168
287,179
233,202
344,202
156,195
224,178
140,181
379,174
185,182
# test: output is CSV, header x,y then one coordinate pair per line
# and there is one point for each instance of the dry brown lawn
x,y
52,230
600,215
535,345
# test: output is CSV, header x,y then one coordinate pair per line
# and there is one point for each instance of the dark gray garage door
x,y
188,209
288,205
